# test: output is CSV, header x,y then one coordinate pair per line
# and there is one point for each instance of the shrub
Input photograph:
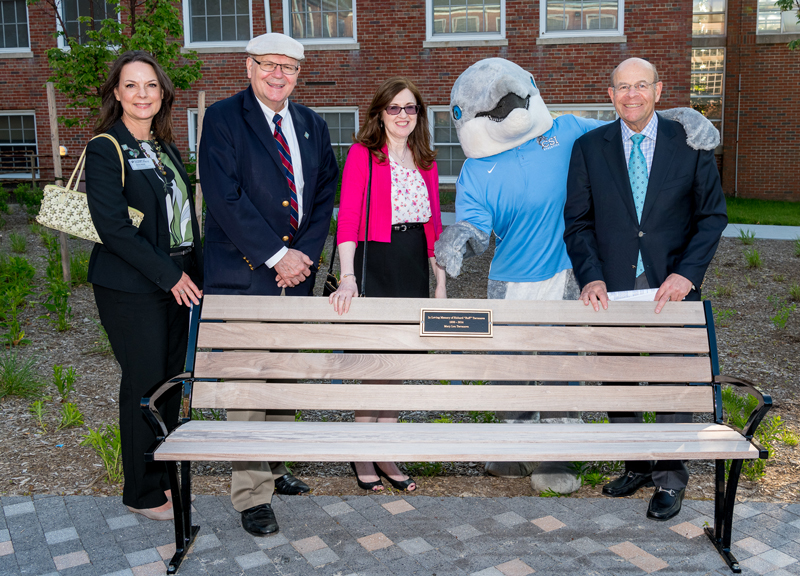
x,y
108,446
30,197
64,380
70,416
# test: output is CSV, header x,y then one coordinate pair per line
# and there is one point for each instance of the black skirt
x,y
396,269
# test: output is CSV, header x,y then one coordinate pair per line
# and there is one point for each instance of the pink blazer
x,y
352,200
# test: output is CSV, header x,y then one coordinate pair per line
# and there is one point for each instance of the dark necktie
x,y
288,171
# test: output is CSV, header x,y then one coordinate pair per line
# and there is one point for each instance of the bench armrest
x,y
151,413
764,403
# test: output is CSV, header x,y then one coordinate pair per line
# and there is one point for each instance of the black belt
x,y
407,226
180,251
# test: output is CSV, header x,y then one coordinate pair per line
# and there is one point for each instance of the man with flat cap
x,y
269,180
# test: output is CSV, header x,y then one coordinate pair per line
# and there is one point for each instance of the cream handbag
x,y
66,210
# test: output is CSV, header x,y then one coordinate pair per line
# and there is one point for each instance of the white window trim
x,y
191,133
619,32
327,43
20,51
592,107
17,175
61,44
187,30
462,36
340,110
443,179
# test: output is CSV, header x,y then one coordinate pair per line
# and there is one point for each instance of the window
x,y
564,18
595,111
73,10
13,25
320,21
17,142
192,132
708,73
342,125
217,22
450,157
708,18
465,19
771,20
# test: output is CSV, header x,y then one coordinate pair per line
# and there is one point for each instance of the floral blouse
x,y
410,201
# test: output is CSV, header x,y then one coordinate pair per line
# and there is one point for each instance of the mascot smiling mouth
x,y
507,104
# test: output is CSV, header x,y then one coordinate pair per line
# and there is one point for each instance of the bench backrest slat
x,y
281,365
285,336
293,396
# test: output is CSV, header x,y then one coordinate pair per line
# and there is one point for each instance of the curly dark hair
x,y
372,134
111,109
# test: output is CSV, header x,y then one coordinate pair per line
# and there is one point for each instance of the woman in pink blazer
x,y
404,222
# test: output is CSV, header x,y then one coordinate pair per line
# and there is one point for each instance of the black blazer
x,y
132,259
248,197
682,220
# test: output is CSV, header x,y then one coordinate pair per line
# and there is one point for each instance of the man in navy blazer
x,y
269,178
667,243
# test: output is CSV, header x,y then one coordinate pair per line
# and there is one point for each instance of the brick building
x,y
703,51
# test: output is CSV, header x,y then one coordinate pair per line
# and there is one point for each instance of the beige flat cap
x,y
275,43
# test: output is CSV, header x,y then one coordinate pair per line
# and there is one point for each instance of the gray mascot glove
x,y
700,132
459,241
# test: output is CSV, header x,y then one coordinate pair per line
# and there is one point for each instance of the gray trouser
x,y
669,474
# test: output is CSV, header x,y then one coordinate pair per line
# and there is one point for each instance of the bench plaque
x,y
475,323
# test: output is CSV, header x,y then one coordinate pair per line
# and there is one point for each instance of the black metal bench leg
x,y
724,501
185,533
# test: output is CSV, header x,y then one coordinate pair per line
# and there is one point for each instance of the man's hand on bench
x,y
675,288
293,268
595,292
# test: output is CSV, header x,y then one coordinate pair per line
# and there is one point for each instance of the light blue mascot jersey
x,y
520,194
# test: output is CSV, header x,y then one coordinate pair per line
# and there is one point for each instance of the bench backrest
x,y
252,350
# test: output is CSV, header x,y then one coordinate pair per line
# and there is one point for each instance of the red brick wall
x,y
768,118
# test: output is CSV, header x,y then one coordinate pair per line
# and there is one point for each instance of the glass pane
x,y
708,107
243,28
214,29
228,27
556,18
242,7
572,13
708,24
332,118
608,14
199,29
790,23
458,19
348,121
441,20
197,7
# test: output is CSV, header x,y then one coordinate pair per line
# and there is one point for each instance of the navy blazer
x,y
133,259
683,217
245,191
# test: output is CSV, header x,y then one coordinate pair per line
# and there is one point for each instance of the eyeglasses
x,y
268,66
411,109
639,87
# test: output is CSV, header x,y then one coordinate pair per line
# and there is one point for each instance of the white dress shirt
x,y
287,127
648,145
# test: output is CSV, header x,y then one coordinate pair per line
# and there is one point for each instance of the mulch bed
x,y
53,462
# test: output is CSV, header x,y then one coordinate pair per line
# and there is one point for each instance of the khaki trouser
x,y
252,483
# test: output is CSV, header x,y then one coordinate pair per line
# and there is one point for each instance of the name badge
x,y
141,163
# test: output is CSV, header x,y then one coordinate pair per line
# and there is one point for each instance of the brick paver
x,y
382,535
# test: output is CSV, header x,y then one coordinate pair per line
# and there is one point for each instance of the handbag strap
x,y
366,230
82,161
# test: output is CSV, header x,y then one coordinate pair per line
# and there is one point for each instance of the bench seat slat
x,y
281,365
337,442
241,336
407,311
288,396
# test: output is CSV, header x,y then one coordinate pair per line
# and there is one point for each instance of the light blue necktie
x,y
637,172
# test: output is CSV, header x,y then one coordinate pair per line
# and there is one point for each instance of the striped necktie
x,y
288,171
637,172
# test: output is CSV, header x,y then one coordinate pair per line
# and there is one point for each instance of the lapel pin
x,y
124,146
306,135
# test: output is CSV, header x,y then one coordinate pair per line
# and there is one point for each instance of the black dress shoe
x,y
627,484
665,503
288,485
260,520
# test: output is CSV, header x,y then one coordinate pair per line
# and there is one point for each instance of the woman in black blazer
x,y
144,278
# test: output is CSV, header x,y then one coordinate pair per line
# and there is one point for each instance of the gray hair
x,y
641,60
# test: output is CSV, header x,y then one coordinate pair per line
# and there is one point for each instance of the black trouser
x,y
148,333
669,474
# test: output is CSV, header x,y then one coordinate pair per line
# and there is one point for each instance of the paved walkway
x,y
385,535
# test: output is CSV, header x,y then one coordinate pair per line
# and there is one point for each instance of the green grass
x,y
18,377
751,211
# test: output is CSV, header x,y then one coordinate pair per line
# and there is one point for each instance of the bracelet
x,y
346,275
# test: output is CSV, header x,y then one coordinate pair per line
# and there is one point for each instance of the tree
x,y
788,6
79,69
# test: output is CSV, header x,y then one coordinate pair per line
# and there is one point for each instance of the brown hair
x,y
373,135
111,109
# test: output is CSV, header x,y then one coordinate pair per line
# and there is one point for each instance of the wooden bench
x,y
243,354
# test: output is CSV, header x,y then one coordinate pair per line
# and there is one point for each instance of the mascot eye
x,y
532,82
456,112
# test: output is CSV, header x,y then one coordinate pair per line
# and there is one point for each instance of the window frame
x,y
312,42
430,36
443,178
618,32
60,7
339,110
20,49
587,107
772,32
26,174
724,13
187,29
721,96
